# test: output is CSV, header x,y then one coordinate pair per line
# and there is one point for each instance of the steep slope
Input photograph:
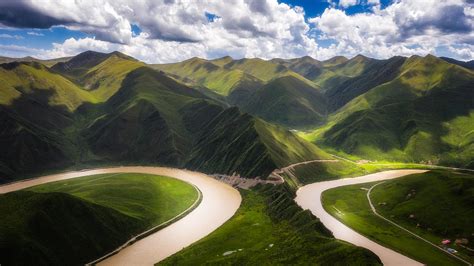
x,y
210,74
138,133
306,66
265,70
27,146
376,72
27,78
338,70
422,115
288,101
101,74
238,143
142,121
227,76
58,229
36,108
336,60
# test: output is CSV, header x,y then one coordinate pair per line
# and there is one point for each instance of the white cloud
x,y
403,28
178,29
347,3
373,2
33,33
464,52
9,36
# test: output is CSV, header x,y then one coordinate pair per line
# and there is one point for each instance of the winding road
x,y
309,197
219,203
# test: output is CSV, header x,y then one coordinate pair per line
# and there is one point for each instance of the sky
x,y
162,31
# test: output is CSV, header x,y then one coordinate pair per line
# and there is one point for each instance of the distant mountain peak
x,y
360,58
336,60
465,64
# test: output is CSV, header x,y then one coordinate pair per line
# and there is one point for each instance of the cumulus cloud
x,y
373,2
403,28
347,3
172,30
463,52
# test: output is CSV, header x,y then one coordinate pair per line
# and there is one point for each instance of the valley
x,y
116,122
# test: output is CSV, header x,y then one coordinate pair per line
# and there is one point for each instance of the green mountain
x,y
101,74
101,108
47,62
112,109
265,88
210,74
76,230
76,221
374,73
235,142
306,66
424,114
466,64
36,107
288,101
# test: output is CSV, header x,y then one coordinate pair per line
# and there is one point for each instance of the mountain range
x,y
246,116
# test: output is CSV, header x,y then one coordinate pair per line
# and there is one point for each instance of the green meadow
x,y
76,221
436,205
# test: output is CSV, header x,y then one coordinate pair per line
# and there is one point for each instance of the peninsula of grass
x,y
75,221
344,168
435,205
270,229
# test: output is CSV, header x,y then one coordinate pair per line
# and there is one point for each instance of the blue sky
x,y
172,30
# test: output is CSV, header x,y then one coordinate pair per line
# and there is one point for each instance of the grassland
x,y
75,221
270,229
415,115
149,198
345,166
440,201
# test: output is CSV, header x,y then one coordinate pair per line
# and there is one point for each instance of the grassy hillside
x,y
28,147
76,221
108,108
415,116
449,218
376,72
47,62
339,69
306,66
17,79
149,198
36,106
270,228
148,89
452,217
136,133
288,101
236,142
210,74
58,229
101,74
